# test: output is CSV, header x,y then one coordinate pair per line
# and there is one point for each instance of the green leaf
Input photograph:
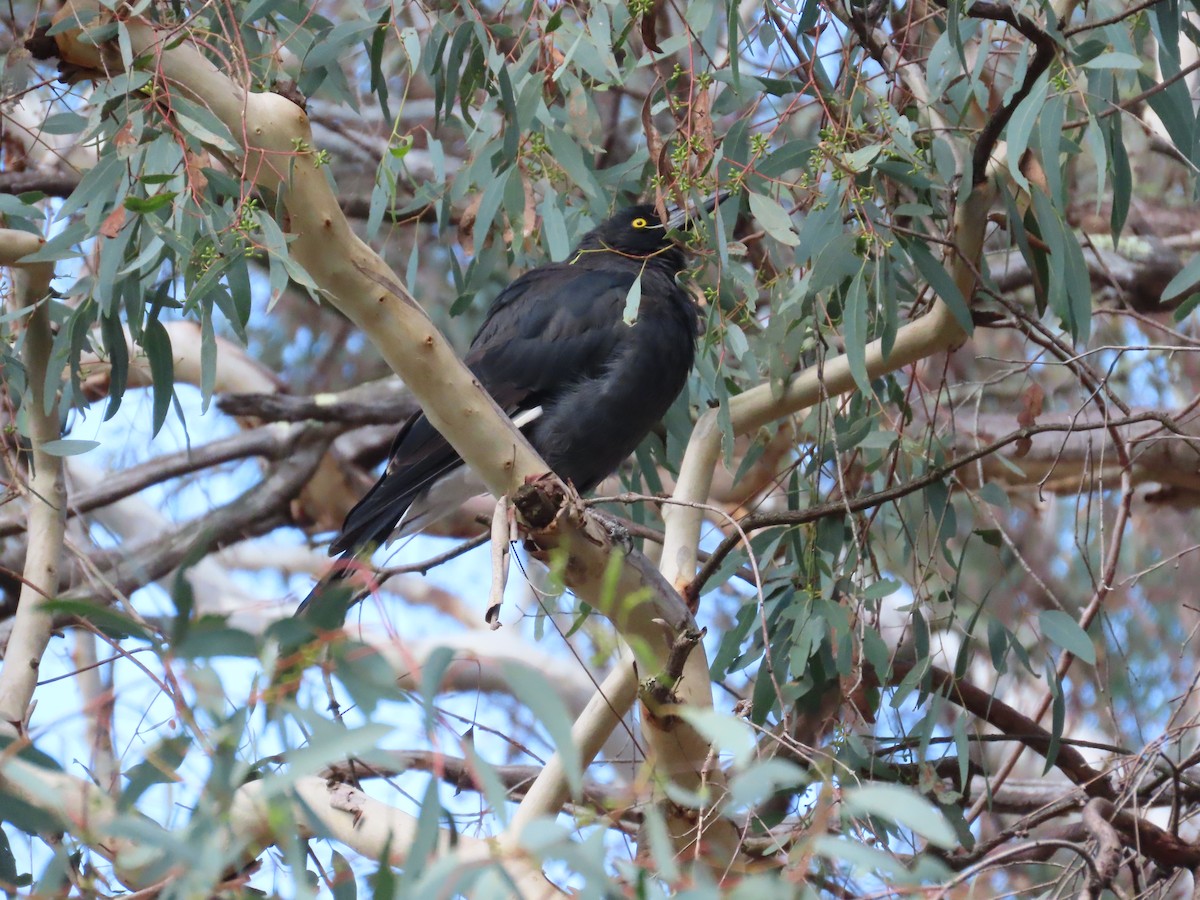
x,y
884,587
485,773
79,21
31,754
158,767
962,748
425,842
329,744
64,123
860,857
63,245
287,267
489,206
1113,60
568,154
727,734
109,621
531,689
735,341
1020,127
432,671
658,839
1058,714
1097,145
1173,104
941,282
772,672
1184,309
1122,174
854,324
21,208
375,48
860,159
998,645
1050,139
904,807
345,884
8,862
1185,281
774,219
367,677
205,127
157,344
210,637
28,818
337,41
991,536
511,128
1070,287
68,447
382,881
1061,628
101,185
792,155
412,47
208,357
763,779
118,360
554,228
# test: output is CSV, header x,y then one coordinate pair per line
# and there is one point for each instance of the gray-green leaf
x,y
774,219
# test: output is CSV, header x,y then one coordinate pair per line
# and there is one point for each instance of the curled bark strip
x,y
500,534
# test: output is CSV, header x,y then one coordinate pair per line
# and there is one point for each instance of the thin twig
x,y
754,522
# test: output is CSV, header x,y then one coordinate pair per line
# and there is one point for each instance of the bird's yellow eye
x,y
639,222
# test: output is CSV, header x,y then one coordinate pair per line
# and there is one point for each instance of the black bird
x,y
557,355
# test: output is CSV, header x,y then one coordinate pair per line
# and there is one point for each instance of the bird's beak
x,y
681,217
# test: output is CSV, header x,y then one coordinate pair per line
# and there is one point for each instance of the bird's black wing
x,y
547,330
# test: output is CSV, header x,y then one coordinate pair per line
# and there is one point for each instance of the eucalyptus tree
x,y
894,598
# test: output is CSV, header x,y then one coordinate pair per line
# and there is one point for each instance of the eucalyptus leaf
x,y
904,807
549,709
774,219
68,447
1061,628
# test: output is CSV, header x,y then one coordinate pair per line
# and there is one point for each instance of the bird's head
x,y
636,231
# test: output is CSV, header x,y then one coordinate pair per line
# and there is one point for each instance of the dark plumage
x,y
557,356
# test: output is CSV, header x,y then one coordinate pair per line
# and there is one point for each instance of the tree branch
x,y
935,331
1046,49
985,706
377,403
461,774
346,814
86,812
267,442
280,156
47,494
1035,470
